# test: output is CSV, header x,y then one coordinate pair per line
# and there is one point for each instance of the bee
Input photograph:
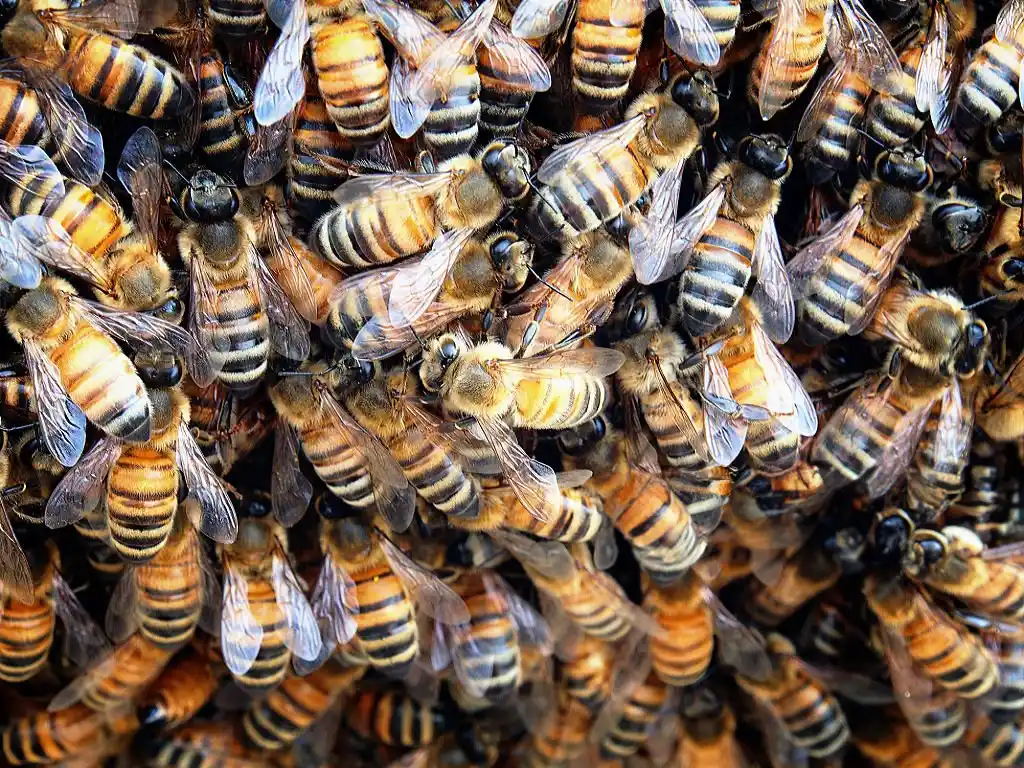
x,y
511,72
551,391
237,19
316,163
68,339
951,227
138,481
777,494
708,736
360,314
998,411
892,116
27,626
807,574
892,743
54,736
391,716
990,82
805,711
88,236
829,127
660,131
285,713
788,58
983,497
265,618
225,427
349,459
587,670
951,659
181,690
840,278
239,311
1002,267
627,721
98,66
878,428
561,738
366,592
217,742
998,744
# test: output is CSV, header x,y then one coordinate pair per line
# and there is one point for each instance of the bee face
x,y
904,169
159,370
511,258
509,166
697,97
768,155
441,353
209,198
959,225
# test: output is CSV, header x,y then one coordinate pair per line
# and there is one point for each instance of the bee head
x,y
509,166
974,346
890,534
904,169
697,96
926,549
440,354
959,224
158,369
767,154
209,198
580,438
511,258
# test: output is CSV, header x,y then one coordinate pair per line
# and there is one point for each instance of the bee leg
x,y
532,329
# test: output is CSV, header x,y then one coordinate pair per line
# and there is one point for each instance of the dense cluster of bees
x,y
530,383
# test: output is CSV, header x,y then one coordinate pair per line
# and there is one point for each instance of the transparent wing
x,y
290,491
82,488
458,49
795,409
141,171
724,432
533,483
30,169
435,598
61,422
334,603
898,452
809,259
289,332
530,625
472,452
650,239
395,186
35,237
202,316
929,67
595,362
685,235
118,17
379,339
122,617
416,286
633,613
677,408
820,106
19,262
876,60
885,266
590,148
83,639
781,49
549,558
15,572
282,84
772,293
217,514
302,633
412,35
949,79
952,439
294,280
1010,21
688,33
539,18
411,97
268,150
240,634
739,646
515,57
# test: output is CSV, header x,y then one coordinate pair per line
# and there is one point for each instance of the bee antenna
x,y
174,168
871,138
993,297
549,285
536,191
18,428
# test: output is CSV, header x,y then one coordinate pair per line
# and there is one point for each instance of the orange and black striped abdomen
x,y
800,579
17,392
135,664
125,78
386,625
142,497
716,276
353,78
658,407
988,87
831,149
604,54
243,331
587,605
997,744
505,97
451,125
810,715
241,19
952,658
435,476
340,465
588,677
180,691
170,594
560,738
682,652
488,645
272,661
375,232
892,118
49,737
994,589
638,714
704,493
393,718
722,16
936,480
806,49
549,403
21,119
226,123
579,516
312,181
26,634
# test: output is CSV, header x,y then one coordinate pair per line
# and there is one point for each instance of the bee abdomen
x,y
504,102
284,714
242,335
557,403
271,664
338,465
374,233
170,614
814,720
451,125
219,132
595,616
21,120
604,56
437,478
771,446
722,16
716,277
392,718
138,662
142,497
385,628
26,635
988,87
238,18
640,710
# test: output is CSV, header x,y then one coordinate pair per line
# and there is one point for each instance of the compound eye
x,y
637,318
449,349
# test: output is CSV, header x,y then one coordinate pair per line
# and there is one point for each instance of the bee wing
x,y
739,646
677,410
590,148
431,595
516,57
334,603
898,452
216,512
684,236
788,400
41,238
458,441
539,18
141,171
240,634
83,640
856,687
459,48
411,34
888,256
294,280
290,491
1009,21
81,489
688,33
31,170
820,106
379,339
118,17
809,259
202,318
140,329
99,670
122,618
953,432
61,422
724,431
875,58
549,558
417,285
949,79
289,332
772,293
398,185
282,84
470,660
929,67
650,240
531,628
392,493
533,483
15,572
597,362
302,633
633,668
268,150
781,47
912,689
634,614
1010,389
411,97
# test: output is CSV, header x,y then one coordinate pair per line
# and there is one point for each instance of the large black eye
x,y
365,371
449,350
932,550
501,252
599,427
163,376
1013,268
330,507
491,161
637,320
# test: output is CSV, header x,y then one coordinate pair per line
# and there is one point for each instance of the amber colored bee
x,y
208,742
998,407
681,653
892,116
829,127
265,618
561,738
285,713
809,573
180,691
588,670
510,71
892,743
391,716
55,736
708,736
997,744
627,720
983,498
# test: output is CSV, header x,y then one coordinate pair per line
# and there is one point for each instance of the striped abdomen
x,y
722,16
810,715
682,652
17,392
322,277
604,54
137,662
102,381
26,634
49,737
588,676
558,403
393,718
716,276
504,97
578,518
488,645
939,721
311,181
278,719
800,579
386,630
353,78
242,331
638,714
451,125
704,493
953,659
807,46
560,738
142,497
435,476
104,561
831,149
1008,701
989,85
587,604
21,119
586,195
375,232
658,407
340,465
932,484
892,118
226,123
999,745
772,446
125,77
238,18
180,691
170,595
271,664
994,589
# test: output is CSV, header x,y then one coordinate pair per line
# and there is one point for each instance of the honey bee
x,y
511,72
366,592
215,741
350,460
181,690
829,127
72,733
998,744
237,19
68,339
660,131
277,720
990,82
708,736
998,412
27,626
550,391
801,30
983,497
68,41
587,670
393,717
892,743
238,310
561,738
892,116
265,618
840,278
361,314
1002,267
809,573
951,227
